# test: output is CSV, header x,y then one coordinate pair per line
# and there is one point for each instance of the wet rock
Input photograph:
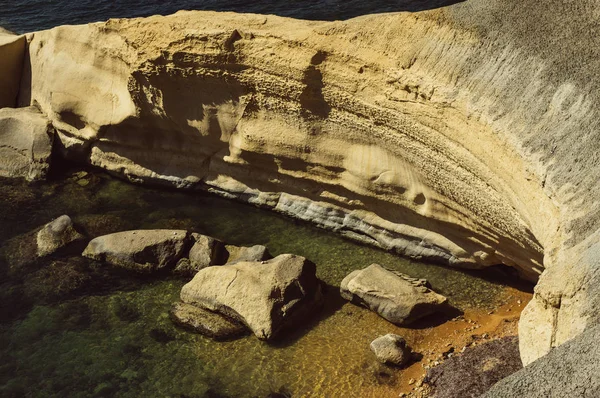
x,y
56,235
391,349
241,253
23,252
473,372
266,296
396,297
206,251
205,322
141,250
25,143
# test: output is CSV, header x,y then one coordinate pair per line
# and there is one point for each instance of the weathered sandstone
x,y
266,296
465,135
12,54
395,296
26,138
205,251
140,250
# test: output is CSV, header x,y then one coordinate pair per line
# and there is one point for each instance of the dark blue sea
x,y
22,16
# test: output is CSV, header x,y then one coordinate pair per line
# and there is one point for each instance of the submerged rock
x,y
391,349
26,138
25,250
205,322
56,235
266,296
239,254
206,251
396,297
141,250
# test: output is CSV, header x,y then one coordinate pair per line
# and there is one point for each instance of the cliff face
x,y
444,135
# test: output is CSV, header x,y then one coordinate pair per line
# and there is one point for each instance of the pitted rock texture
x,y
396,297
465,135
300,117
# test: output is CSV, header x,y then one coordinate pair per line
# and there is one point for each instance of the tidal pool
x,y
78,328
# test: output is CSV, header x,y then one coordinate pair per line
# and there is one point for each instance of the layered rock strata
x,y
464,135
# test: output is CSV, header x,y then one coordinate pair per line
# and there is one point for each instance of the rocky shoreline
x,y
464,135
55,250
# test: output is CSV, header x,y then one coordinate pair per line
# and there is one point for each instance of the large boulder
x,y
266,296
12,54
391,349
26,138
141,250
396,297
205,322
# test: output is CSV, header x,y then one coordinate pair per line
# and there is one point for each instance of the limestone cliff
x,y
464,135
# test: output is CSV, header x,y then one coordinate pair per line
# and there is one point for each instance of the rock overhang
x,y
420,133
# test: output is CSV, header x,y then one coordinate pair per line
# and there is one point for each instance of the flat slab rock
x,y
266,296
141,250
205,322
396,297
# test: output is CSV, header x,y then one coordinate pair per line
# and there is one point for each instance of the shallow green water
x,y
110,334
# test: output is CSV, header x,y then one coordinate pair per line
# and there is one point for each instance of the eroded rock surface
x,y
465,135
396,297
299,117
12,54
26,138
140,250
266,296
391,349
